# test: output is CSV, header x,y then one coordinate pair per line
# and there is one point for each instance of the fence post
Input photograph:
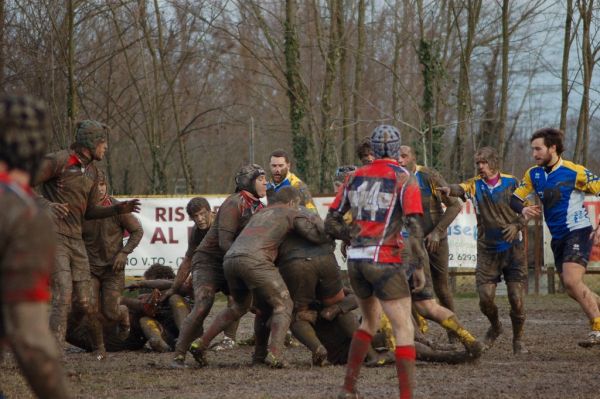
x,y
551,274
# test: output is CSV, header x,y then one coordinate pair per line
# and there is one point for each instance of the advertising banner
x,y
166,228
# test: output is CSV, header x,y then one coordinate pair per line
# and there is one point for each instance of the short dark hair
x,y
196,204
364,148
551,137
280,153
285,195
159,272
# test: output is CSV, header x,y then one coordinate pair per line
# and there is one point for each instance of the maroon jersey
x,y
27,246
378,195
261,238
103,238
232,217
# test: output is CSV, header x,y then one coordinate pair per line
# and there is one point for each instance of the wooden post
x,y
551,288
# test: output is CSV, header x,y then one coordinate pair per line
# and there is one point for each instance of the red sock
x,y
405,367
361,341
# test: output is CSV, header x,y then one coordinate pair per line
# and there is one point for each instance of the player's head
x,y
547,145
487,162
364,151
252,178
198,209
93,136
385,141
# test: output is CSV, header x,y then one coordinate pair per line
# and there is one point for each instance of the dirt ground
x,y
555,368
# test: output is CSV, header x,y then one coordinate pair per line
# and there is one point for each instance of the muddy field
x,y
555,368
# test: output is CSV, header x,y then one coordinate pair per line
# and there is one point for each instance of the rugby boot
x,y
198,351
592,339
275,362
472,345
492,334
226,344
518,322
159,345
178,362
382,359
422,323
319,357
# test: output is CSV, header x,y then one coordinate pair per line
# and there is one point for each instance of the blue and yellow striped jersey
x,y
492,209
562,192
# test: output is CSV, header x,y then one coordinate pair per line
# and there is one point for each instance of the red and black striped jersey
x,y
378,195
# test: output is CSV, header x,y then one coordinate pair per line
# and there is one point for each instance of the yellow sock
x,y
595,323
422,323
386,328
463,335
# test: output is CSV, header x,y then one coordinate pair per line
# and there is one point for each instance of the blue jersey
x,y
562,192
493,211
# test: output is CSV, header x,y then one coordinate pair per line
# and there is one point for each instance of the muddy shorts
x,y
573,248
207,270
109,280
71,257
492,265
246,274
311,278
386,281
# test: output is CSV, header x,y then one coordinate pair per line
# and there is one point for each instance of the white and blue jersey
x,y
562,192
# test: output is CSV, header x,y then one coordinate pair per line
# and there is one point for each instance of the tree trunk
x,y
71,104
327,131
564,86
504,85
358,70
460,164
296,90
581,143
347,138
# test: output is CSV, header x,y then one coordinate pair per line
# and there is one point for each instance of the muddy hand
x,y
531,211
60,211
432,241
510,232
120,262
133,205
418,280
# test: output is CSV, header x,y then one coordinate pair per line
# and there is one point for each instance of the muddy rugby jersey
x,y
492,209
27,246
562,192
378,195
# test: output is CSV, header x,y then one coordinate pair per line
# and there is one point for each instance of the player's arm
x,y
306,198
453,208
134,228
587,181
94,211
517,202
335,225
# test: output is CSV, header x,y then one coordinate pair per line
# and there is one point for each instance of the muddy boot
x,y
380,360
472,345
159,345
492,334
319,357
198,351
592,339
225,344
517,324
178,362
275,362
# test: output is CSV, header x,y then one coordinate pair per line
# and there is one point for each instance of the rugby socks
x,y
452,324
405,367
595,324
361,341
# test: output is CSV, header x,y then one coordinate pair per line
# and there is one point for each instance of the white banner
x,y
166,228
